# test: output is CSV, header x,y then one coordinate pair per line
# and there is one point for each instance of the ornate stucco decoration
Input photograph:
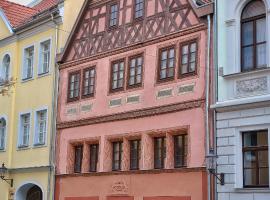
x,y
6,85
119,187
251,87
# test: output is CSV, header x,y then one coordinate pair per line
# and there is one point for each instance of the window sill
x,y
21,148
247,73
43,74
252,190
35,146
27,79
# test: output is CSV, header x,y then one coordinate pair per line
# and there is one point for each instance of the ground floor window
x,y
255,159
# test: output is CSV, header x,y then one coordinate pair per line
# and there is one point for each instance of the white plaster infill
x,y
242,103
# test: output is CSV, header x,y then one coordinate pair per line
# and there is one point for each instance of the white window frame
x,y
19,142
5,134
2,71
24,78
239,155
40,57
36,132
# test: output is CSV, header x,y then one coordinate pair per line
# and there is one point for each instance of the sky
x,y
23,2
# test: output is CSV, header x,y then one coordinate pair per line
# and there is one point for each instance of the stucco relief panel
x,y
250,87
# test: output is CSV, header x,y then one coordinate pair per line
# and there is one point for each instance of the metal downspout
x,y
51,177
207,101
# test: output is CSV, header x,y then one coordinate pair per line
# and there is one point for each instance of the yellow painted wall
x,y
4,32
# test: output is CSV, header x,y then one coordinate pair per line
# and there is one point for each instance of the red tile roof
x,y
45,4
18,15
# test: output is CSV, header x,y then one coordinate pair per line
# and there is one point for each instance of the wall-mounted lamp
x,y
211,160
3,172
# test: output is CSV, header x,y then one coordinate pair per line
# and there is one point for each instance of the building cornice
x,y
134,114
150,171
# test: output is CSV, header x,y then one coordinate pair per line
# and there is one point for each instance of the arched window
x,y
2,133
253,36
34,193
6,67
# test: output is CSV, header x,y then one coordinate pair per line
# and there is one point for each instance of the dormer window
x,y
253,36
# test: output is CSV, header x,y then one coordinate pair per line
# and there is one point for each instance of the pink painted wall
x,y
100,103
163,186
189,121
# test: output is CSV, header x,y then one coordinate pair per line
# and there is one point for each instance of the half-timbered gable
x,y
93,33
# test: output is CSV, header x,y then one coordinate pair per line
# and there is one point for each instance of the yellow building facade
x,y
28,96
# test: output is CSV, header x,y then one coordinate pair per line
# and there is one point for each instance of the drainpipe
x,y
207,84
51,176
215,85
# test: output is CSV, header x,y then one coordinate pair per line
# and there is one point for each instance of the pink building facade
x,y
131,110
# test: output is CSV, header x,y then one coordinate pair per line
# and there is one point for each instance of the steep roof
x,y
18,15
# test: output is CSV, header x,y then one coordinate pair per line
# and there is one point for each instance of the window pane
x,y
263,158
184,69
261,55
250,177
263,176
247,58
192,67
163,74
247,33
254,8
255,138
261,30
185,49
78,159
249,159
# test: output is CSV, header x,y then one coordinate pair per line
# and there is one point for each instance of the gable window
x,y
253,36
113,18
166,63
188,58
255,159
5,68
117,155
24,130
3,129
28,62
41,127
74,86
159,152
93,157
139,9
135,71
180,151
44,57
78,150
117,75
135,151
88,82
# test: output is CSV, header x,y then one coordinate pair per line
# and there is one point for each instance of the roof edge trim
x,y
5,19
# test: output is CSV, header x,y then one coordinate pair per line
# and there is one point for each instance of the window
x,y
74,86
44,59
138,9
180,151
78,158
28,62
188,58
5,68
253,36
255,159
93,157
159,152
166,63
88,82
3,127
135,71
135,151
113,18
41,127
24,130
117,156
117,75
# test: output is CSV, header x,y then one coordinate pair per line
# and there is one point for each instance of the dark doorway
x,y
34,193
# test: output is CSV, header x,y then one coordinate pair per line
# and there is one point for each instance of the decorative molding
x,y
86,107
183,89
151,171
115,102
168,92
158,110
119,187
133,99
163,38
230,22
252,86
